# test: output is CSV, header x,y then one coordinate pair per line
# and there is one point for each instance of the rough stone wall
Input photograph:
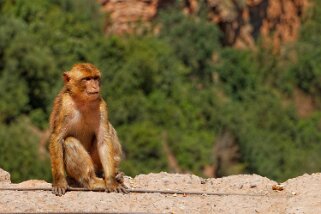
x,y
242,21
125,16
283,17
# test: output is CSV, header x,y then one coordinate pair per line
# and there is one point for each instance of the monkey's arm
x,y
59,129
57,165
107,152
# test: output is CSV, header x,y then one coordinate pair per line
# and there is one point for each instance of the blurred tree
x,y
20,154
194,40
307,70
142,142
181,82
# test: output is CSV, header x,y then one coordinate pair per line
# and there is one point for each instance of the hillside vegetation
x,y
179,93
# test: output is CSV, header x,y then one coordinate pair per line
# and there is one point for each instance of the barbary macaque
x,y
83,143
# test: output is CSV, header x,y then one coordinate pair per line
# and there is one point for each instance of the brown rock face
x,y
127,16
242,21
283,18
277,21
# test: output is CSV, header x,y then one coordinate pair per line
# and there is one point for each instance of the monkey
x,y
82,142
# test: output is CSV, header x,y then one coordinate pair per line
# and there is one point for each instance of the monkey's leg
x,y
79,165
119,177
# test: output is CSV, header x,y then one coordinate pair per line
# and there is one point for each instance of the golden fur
x,y
83,143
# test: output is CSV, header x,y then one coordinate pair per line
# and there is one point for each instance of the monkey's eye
x,y
87,78
96,78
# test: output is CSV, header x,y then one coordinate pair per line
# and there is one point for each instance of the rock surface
x,y
276,21
128,16
242,22
4,176
242,194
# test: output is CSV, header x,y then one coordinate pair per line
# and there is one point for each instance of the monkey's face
x,y
83,83
90,87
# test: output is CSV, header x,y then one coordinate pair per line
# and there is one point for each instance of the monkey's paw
x,y
113,185
120,177
59,189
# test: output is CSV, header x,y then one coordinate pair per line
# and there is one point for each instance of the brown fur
x,y
82,141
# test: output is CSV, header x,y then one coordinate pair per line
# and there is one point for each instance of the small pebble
x,y
252,185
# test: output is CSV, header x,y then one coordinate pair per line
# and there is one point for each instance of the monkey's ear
x,y
66,77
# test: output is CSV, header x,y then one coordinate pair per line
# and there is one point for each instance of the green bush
x,y
307,70
20,153
143,147
180,87
194,40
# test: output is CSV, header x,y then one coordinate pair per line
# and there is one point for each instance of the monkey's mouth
x,y
92,92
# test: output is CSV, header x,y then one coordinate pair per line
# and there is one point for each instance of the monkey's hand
x,y
113,185
59,188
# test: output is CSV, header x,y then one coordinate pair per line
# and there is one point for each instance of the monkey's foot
x,y
123,188
120,177
59,190
113,185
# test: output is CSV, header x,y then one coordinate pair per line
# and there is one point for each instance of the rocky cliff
x,y
241,21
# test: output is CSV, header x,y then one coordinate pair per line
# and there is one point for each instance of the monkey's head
x,y
83,82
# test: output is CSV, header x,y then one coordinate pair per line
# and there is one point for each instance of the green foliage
x,y
193,39
20,154
307,70
193,150
39,40
238,72
274,142
133,70
37,45
142,141
180,87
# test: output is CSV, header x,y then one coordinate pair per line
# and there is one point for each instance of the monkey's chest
x,y
84,129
